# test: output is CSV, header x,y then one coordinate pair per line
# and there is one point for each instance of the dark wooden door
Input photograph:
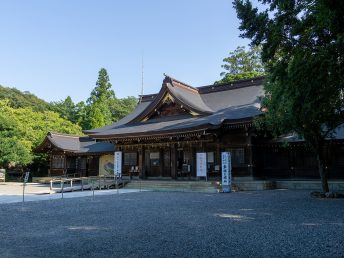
x,y
153,164
93,166
166,172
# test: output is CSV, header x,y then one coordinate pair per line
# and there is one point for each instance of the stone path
x,y
276,223
13,192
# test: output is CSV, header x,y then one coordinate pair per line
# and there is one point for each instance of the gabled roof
x,y
183,94
74,144
182,124
211,106
141,106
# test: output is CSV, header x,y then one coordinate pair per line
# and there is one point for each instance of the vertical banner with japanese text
x,y
226,172
201,159
118,164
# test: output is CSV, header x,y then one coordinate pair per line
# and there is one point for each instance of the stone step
x,y
205,187
309,185
173,182
253,185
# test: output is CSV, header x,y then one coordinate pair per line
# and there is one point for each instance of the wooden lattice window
x,y
57,161
130,159
238,156
154,159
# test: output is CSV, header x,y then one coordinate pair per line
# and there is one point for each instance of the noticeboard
x,y
2,174
201,158
118,164
226,166
26,177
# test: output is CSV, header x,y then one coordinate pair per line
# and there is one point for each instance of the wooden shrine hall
x,y
161,137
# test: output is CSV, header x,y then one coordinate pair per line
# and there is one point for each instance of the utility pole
x,y
142,75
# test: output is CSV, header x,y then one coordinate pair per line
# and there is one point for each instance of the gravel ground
x,y
277,223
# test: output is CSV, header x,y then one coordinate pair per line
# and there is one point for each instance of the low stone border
x,y
330,195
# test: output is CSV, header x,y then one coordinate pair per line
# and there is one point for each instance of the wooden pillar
x,y
193,161
51,164
249,154
142,162
65,164
161,164
218,154
173,161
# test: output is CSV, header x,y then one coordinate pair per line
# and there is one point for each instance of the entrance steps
x,y
174,186
241,184
251,184
315,185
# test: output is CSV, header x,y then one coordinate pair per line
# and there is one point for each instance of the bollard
x,y
62,186
93,188
117,185
24,191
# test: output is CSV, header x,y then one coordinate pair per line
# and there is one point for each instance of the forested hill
x,y
25,119
19,99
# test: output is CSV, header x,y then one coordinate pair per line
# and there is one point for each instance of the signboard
x,y
226,171
201,158
106,165
118,164
26,178
210,157
2,174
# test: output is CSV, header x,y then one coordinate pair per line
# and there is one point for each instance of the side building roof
x,y
74,144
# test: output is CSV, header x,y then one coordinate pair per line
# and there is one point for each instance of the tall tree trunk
x,y
323,173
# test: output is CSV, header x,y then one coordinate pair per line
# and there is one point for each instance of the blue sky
x,y
56,48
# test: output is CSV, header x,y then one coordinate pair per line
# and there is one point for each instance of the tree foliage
x,y
66,108
18,99
22,129
242,64
303,51
103,106
26,119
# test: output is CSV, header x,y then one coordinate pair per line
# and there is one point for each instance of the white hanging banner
x,y
201,158
118,164
226,164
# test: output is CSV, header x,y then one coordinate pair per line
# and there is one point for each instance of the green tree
x,y
22,129
102,91
103,107
66,108
122,107
99,103
242,64
17,99
81,114
303,51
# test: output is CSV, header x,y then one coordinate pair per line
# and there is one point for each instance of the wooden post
x,y
65,165
218,160
161,165
249,156
173,162
193,161
142,162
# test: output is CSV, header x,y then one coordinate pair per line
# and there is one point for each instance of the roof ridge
x,y
66,135
215,87
182,83
231,83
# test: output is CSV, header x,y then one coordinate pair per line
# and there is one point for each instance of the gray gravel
x,y
156,224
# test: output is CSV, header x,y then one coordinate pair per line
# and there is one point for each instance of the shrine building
x,y
161,137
